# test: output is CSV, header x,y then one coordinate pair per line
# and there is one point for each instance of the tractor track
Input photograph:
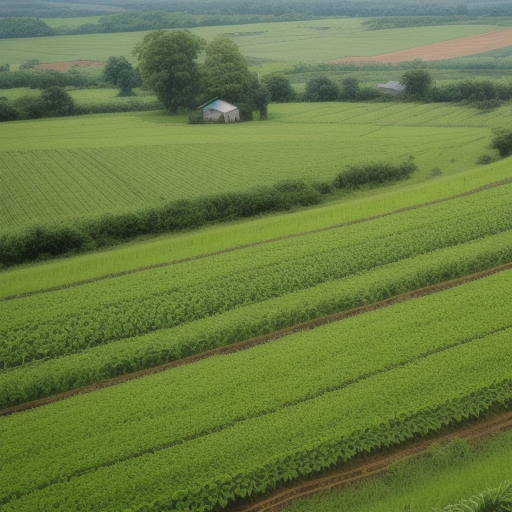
x,y
259,340
373,466
494,184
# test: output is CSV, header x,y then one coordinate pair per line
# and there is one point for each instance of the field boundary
x,y
375,466
259,340
494,184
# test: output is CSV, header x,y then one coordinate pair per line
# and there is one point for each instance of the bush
x,y
321,89
374,173
484,160
502,141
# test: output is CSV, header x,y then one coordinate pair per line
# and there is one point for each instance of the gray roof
x,y
392,85
220,105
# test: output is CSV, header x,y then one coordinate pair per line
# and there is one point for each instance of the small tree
x,y
502,141
350,89
279,87
57,102
121,73
321,89
417,83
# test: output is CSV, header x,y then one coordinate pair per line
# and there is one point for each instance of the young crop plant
x,y
158,442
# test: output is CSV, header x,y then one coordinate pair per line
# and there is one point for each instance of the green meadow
x,y
317,40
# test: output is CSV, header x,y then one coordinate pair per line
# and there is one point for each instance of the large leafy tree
x,y
226,73
168,67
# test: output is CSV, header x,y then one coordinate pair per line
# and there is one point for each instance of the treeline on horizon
x,y
16,22
48,240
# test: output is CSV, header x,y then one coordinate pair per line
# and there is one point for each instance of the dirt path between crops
x,y
259,340
505,181
460,47
375,466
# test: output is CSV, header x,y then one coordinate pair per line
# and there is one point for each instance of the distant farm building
x,y
392,87
217,110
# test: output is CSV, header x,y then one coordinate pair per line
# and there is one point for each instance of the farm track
x,y
254,244
374,466
460,47
246,344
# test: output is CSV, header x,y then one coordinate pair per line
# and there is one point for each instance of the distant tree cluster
x,y
168,67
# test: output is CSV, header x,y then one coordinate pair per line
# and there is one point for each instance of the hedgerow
x,y
43,241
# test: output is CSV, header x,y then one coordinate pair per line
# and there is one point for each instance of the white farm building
x,y
215,108
392,87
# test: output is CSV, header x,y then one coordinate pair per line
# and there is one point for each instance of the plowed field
x,y
459,47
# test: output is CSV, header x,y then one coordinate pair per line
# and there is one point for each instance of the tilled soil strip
x,y
259,340
374,466
460,47
254,244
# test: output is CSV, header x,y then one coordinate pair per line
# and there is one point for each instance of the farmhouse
x,y
392,86
215,108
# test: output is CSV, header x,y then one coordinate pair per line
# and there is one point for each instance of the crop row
x,y
114,448
44,378
98,313
254,383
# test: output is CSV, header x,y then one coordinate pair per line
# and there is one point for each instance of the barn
x,y
215,110
392,87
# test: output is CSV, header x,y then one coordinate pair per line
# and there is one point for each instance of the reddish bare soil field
x,y
65,66
460,47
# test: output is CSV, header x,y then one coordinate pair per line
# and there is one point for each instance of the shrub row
x,y
374,173
41,79
49,240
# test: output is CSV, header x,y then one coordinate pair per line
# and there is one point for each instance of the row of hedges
x,y
80,235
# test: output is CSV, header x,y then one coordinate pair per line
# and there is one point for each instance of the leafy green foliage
x,y
120,72
321,89
373,173
497,499
168,67
279,88
417,83
41,241
225,72
502,141
351,387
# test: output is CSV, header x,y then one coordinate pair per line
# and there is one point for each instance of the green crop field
x,y
443,476
70,167
317,40
267,414
316,368
107,328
